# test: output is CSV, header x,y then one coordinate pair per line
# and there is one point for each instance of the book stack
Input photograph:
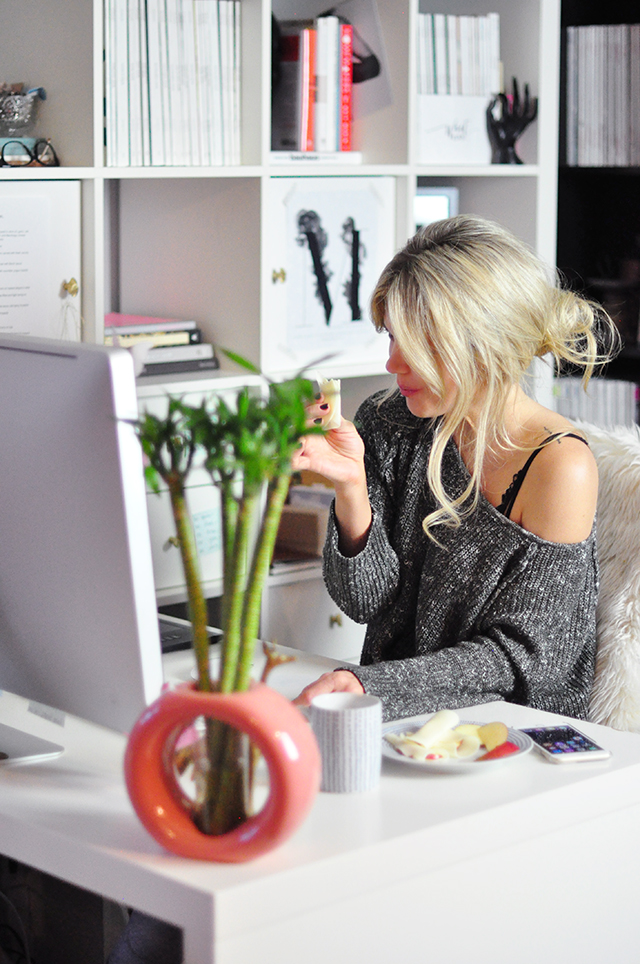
x,y
459,54
606,403
162,346
312,97
458,72
603,92
172,82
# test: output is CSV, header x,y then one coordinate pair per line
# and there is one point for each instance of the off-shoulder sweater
x,y
492,612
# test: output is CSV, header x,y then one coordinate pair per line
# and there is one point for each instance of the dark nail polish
x,y
318,396
323,408
317,421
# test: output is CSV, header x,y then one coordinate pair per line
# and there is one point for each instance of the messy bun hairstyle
x,y
467,296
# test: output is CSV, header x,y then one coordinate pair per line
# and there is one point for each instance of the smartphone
x,y
565,744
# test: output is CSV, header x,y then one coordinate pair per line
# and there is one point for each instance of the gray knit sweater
x,y
494,612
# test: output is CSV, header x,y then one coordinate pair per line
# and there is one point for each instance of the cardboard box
x,y
302,530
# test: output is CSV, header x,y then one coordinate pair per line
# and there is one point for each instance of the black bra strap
x,y
509,497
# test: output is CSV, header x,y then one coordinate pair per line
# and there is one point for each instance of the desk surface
x,y
424,857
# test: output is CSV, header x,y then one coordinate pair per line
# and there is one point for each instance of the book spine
x,y
217,145
203,79
135,83
440,35
495,64
571,122
115,319
144,85
169,368
346,86
284,135
237,65
307,89
322,84
174,353
109,83
451,24
193,155
121,102
114,336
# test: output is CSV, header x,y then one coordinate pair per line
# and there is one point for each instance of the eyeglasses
x,y
18,154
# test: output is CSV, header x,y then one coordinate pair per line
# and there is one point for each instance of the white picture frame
x,y
326,232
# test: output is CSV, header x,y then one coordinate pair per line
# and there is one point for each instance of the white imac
x,y
78,617
434,204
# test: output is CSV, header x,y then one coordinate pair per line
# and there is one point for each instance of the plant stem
x,y
229,513
234,608
260,563
196,606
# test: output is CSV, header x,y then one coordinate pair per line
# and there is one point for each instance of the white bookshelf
x,y
195,242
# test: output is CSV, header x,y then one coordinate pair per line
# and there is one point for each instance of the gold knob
x,y
71,287
335,620
280,276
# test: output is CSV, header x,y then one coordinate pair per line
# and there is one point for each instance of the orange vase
x,y
274,726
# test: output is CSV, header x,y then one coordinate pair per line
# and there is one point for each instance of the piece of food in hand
x,y
330,388
493,734
503,749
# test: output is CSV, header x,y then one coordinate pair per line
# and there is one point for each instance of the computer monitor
x,y
78,617
434,204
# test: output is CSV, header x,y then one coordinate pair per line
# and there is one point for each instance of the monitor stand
x,y
19,747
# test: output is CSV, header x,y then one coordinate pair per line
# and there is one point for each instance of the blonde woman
x,y
462,530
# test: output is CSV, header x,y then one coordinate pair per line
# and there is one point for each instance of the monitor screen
x,y
78,616
434,204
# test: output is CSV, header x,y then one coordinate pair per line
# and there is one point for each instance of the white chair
x,y
615,698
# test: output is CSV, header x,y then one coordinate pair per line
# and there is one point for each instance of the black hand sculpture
x,y
507,118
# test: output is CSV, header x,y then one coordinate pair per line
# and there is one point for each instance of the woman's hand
x,y
338,456
339,681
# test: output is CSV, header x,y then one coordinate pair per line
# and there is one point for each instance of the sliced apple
x,y
493,735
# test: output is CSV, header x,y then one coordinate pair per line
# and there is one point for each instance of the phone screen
x,y
559,740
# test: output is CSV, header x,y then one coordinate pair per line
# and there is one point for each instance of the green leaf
x,y
240,360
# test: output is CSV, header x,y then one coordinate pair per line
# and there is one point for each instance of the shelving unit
x,y
599,215
196,242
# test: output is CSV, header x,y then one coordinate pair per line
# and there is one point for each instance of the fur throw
x,y
615,699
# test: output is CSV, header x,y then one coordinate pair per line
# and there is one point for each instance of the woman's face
x,y
421,400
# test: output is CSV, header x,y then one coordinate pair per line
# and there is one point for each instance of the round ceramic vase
x,y
271,722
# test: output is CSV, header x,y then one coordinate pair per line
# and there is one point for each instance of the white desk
x,y
529,863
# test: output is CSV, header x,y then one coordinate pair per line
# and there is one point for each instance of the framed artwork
x,y
332,237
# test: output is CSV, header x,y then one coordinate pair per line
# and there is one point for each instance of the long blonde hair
x,y
466,296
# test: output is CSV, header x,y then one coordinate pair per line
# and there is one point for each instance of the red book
x,y
307,89
346,87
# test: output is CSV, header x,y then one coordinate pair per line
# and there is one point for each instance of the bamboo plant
x,y
246,448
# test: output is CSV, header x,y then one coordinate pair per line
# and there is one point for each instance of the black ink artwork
x,y
311,232
351,237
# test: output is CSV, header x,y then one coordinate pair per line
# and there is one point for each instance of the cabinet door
x,y
204,507
303,615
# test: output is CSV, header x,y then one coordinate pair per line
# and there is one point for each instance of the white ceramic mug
x,y
348,728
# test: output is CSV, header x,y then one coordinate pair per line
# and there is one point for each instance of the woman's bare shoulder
x,y
560,491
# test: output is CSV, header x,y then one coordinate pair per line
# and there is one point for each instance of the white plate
x,y
464,765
